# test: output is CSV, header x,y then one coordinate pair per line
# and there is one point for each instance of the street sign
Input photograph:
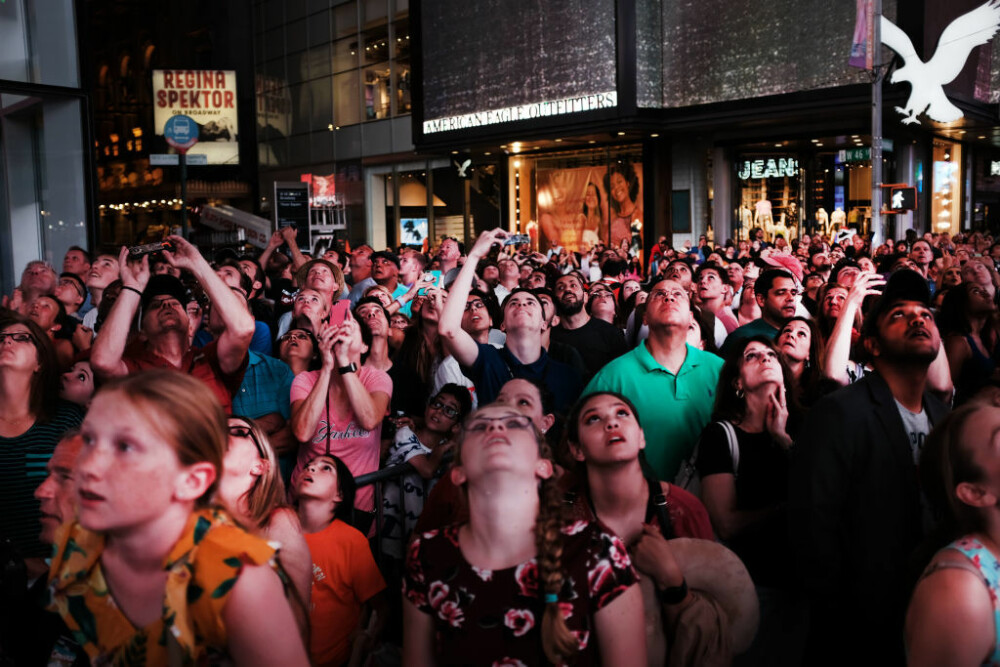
x,y
291,207
181,132
163,159
173,159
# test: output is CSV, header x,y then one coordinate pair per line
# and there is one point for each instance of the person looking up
x,y
776,294
164,325
597,341
522,354
671,383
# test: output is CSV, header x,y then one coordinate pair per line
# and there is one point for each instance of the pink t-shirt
x,y
356,447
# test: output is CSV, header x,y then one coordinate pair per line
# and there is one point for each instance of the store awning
x,y
226,218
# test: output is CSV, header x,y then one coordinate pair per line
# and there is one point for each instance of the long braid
x,y
558,642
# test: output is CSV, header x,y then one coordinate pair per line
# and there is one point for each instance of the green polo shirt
x,y
673,409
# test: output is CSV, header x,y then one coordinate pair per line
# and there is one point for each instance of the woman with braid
x,y
518,584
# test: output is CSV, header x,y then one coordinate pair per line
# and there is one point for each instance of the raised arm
x,y
456,341
290,234
234,341
109,345
273,244
369,409
838,347
306,413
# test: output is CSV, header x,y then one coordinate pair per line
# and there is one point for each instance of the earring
x,y
740,394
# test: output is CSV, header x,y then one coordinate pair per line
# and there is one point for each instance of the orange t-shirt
x,y
344,578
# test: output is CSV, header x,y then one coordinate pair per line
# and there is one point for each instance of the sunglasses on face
x,y
448,411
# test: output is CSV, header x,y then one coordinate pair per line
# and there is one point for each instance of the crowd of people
x,y
741,453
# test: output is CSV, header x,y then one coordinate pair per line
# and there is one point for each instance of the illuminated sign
x,y
927,79
208,97
518,112
768,168
995,168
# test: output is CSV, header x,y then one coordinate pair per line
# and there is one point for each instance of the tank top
x,y
982,561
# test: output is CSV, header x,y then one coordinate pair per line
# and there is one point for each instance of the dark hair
x,y
246,282
767,279
729,406
946,461
316,361
460,394
346,485
44,389
626,171
489,299
953,317
86,254
712,266
573,419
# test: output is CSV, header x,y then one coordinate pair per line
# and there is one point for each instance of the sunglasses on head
x,y
244,431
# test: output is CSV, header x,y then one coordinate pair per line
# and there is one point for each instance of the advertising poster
x,y
207,96
579,207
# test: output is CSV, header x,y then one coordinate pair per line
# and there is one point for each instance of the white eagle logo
x,y
928,78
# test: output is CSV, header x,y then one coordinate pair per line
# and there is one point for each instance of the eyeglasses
x,y
17,337
243,431
513,422
659,294
294,335
448,411
474,305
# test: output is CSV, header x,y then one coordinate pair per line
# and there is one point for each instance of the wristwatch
x,y
349,368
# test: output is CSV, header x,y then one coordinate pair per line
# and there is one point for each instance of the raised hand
x,y
133,274
776,419
184,255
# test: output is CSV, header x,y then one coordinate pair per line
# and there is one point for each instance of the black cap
x,y
903,285
385,254
162,284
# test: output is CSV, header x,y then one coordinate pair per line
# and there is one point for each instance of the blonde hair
x,y
267,493
184,411
559,644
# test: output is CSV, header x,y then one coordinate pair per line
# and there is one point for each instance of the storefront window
x,y
345,99
377,92
769,196
946,212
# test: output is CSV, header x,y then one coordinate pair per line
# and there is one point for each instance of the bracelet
x,y
673,594
550,598
132,289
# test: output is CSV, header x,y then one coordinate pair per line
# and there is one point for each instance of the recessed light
x,y
778,145
487,153
558,141
591,142
654,135
621,134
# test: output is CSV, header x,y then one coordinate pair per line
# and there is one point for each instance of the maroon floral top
x,y
493,617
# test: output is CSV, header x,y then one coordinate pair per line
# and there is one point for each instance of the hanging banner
x,y
864,35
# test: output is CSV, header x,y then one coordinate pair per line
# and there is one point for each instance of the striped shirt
x,y
22,468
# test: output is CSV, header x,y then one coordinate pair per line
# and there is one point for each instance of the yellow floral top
x,y
202,568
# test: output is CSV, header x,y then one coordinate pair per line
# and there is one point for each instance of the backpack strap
x,y
657,505
734,445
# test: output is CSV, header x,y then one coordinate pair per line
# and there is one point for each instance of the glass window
x,y
376,43
347,109
946,210
402,86
345,54
402,39
376,89
375,11
295,35
345,20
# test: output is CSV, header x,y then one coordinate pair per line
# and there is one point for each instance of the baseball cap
x,y
385,254
161,284
77,282
903,285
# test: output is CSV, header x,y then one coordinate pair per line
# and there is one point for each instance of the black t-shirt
x,y
761,483
597,341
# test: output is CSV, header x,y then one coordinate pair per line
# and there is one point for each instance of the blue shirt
x,y
260,343
493,368
266,388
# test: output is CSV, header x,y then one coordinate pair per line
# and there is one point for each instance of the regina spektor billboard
x,y
207,96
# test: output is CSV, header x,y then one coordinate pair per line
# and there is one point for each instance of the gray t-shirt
x,y
917,426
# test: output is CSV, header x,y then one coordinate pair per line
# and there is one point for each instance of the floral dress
x,y
202,568
493,617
